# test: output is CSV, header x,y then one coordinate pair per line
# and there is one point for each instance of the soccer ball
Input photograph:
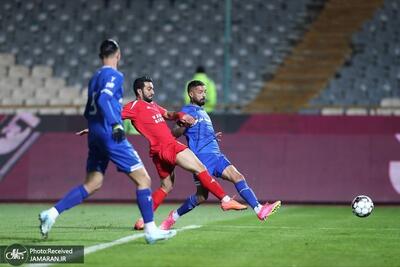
x,y
362,206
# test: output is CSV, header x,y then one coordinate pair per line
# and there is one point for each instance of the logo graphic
x,y
394,171
16,254
16,136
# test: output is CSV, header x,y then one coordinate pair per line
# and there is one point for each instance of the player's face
x,y
148,92
198,95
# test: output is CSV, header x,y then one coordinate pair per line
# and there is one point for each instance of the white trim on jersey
x,y
107,91
133,104
137,166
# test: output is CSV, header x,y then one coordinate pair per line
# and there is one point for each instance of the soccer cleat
x,y
46,222
139,225
158,235
232,205
168,223
268,209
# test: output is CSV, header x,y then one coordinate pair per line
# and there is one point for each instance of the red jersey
x,y
149,121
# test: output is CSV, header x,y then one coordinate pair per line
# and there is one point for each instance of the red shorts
x,y
165,158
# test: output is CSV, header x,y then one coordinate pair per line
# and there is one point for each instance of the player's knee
x,y
144,181
234,177
167,187
237,178
141,178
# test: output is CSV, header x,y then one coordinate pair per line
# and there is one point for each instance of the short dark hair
x,y
139,83
200,69
107,48
194,84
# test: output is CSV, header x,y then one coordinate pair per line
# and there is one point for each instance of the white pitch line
x,y
120,241
127,239
297,227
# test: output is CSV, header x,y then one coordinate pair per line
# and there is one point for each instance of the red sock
x,y
211,184
158,197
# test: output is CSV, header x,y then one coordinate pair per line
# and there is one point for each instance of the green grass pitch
x,y
294,236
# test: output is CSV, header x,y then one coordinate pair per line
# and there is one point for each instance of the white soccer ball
x,y
362,206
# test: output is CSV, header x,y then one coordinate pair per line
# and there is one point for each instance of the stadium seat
x,y
177,34
372,73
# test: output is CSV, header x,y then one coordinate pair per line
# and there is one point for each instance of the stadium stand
x,y
369,79
48,46
315,60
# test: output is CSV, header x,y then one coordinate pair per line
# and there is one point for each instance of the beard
x,y
200,102
147,99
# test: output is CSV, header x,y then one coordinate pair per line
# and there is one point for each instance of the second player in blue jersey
x,y
202,140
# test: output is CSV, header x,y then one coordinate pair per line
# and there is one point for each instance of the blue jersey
x,y
200,136
104,104
103,109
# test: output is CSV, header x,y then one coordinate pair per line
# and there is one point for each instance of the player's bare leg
x,y
200,197
93,182
263,211
47,218
188,161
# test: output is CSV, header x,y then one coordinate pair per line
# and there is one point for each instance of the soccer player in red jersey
x,y
166,152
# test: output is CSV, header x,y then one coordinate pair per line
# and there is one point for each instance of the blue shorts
x,y
103,149
215,164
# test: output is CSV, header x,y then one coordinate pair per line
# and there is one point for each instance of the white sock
x,y
226,198
53,213
257,208
175,215
150,227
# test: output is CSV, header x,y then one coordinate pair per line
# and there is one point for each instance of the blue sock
x,y
189,204
246,193
145,203
73,198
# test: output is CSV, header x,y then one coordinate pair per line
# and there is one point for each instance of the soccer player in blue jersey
x,y
202,140
107,142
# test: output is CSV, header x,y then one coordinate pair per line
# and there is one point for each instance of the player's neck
x,y
110,63
194,104
141,99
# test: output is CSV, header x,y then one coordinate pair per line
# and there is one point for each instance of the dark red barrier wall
x,y
292,158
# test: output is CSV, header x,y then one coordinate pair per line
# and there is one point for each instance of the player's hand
x,y
186,119
118,133
218,136
83,132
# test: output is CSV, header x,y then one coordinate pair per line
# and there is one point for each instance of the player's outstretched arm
x,y
82,132
178,131
182,117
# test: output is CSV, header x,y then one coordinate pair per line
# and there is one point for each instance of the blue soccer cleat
x,y
158,235
46,222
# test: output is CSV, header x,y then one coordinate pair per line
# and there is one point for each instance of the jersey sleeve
x,y
189,110
129,111
109,82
